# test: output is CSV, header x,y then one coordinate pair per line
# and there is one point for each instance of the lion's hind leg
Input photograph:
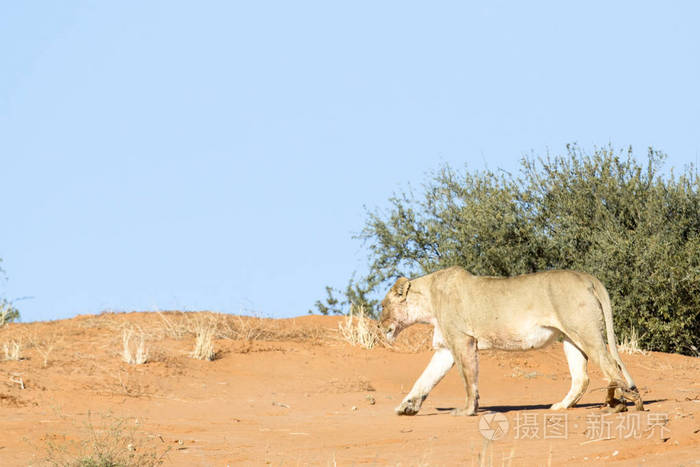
x,y
577,361
594,346
614,375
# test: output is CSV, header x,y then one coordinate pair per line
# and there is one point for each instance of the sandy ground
x,y
293,392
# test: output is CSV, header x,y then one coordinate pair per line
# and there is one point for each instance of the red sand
x,y
318,400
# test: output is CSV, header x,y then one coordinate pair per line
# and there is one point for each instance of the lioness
x,y
517,313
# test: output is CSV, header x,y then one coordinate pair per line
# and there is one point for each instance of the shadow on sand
x,y
509,408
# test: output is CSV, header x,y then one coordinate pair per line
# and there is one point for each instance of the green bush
x,y
631,225
8,312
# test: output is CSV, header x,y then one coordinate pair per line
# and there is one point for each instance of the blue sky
x,y
218,155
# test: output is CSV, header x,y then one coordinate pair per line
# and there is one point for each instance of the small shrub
x,y
44,347
114,444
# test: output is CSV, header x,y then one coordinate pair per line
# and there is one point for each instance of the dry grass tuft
x,y
204,329
178,325
629,344
359,330
174,327
243,328
261,329
13,350
134,355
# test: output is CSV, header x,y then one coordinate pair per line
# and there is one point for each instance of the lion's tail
x,y
604,299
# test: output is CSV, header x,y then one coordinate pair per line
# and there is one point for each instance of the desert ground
x,y
297,392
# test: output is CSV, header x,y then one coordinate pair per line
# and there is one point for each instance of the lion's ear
x,y
401,287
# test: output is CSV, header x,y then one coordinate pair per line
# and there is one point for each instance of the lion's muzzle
x,y
390,332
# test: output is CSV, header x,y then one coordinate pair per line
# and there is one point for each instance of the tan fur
x,y
518,313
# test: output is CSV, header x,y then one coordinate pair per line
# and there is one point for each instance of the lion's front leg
x,y
439,365
466,353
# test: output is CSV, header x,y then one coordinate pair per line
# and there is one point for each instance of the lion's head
x,y
395,315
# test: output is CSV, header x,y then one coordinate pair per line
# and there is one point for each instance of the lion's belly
x,y
530,338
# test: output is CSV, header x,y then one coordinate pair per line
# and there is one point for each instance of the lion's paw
x,y
407,408
462,412
617,408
